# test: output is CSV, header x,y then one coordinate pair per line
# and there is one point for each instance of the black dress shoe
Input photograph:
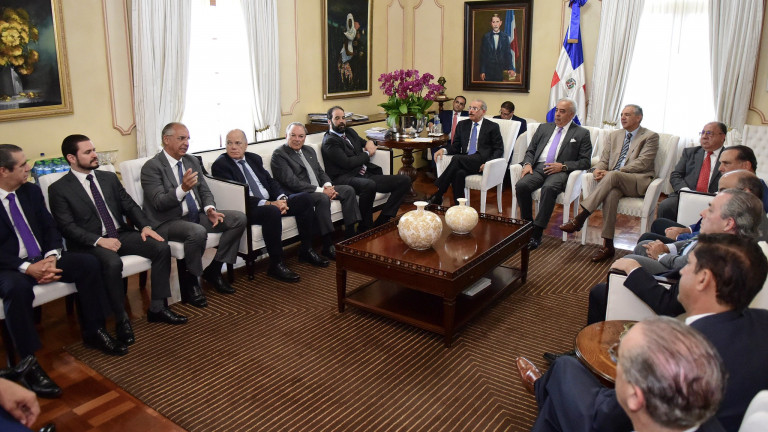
x,y
219,283
166,315
18,371
124,332
283,273
533,243
50,427
329,252
194,295
101,340
310,256
39,382
551,357
435,199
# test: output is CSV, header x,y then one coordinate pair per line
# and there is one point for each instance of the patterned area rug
x,y
277,356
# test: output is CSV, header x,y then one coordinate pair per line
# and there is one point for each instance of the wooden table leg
x,y
449,316
341,287
408,170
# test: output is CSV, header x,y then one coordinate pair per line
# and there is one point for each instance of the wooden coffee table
x,y
595,345
424,288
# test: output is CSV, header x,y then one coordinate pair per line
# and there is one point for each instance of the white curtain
x,y
734,35
160,45
670,75
619,20
263,49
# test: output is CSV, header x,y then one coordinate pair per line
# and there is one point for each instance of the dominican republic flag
x,y
568,79
511,30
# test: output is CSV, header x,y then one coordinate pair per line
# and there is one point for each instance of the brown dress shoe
x,y
528,373
571,226
603,253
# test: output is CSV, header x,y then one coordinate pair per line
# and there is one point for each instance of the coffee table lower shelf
x,y
428,311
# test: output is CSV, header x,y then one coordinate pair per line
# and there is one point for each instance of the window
x,y
219,85
670,72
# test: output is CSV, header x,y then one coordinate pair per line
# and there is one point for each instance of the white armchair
x,y
494,170
572,191
690,205
756,138
642,207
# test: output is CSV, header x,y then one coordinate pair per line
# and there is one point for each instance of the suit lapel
x,y
169,171
110,199
566,140
634,145
79,191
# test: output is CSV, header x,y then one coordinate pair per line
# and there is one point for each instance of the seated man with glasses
x,y
697,169
507,112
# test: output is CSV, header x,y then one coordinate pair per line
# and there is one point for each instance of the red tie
x,y
453,125
706,167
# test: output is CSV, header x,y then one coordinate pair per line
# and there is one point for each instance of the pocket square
x,y
573,140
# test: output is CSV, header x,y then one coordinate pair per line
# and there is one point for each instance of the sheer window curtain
x,y
670,75
160,46
261,26
619,22
734,34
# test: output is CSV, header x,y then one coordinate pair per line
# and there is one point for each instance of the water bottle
x,y
438,127
64,165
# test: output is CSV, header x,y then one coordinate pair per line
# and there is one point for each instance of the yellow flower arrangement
x,y
16,32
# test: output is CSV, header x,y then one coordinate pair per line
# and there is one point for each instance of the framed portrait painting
x,y
346,48
34,79
497,45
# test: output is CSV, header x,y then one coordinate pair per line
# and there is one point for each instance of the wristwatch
x,y
565,167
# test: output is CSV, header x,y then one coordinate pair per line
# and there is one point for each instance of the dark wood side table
x,y
424,288
595,345
408,146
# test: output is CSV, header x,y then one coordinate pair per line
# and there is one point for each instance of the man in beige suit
x,y
625,169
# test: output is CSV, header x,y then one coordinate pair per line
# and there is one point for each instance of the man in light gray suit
x,y
181,208
296,168
625,169
556,149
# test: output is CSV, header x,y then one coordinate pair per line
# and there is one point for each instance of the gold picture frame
x,y
347,48
35,82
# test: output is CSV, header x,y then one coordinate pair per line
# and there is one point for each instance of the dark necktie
x,y
33,250
255,190
706,168
310,171
101,206
553,147
473,140
624,150
193,212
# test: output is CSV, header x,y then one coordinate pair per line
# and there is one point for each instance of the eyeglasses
x,y
475,108
709,134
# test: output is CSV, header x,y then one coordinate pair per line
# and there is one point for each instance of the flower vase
x,y
406,126
420,228
10,83
461,218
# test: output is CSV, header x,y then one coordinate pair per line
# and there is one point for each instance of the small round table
x,y
595,344
408,145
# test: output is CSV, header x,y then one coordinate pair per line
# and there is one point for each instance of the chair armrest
x,y
442,164
229,195
588,184
690,204
493,173
623,304
573,187
651,199
383,158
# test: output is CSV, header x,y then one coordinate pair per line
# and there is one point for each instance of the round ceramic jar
x,y
461,218
419,228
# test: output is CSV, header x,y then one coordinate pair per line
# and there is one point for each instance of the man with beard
x,y
347,159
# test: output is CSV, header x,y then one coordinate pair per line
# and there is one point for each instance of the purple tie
x,y
553,148
33,250
101,206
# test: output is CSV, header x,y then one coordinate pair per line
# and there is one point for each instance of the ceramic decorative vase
x,y
419,228
461,218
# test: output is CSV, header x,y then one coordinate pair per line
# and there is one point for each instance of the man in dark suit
x,y
475,142
347,159
691,172
723,275
507,112
268,204
626,168
91,208
450,118
495,53
180,207
30,254
556,149
297,169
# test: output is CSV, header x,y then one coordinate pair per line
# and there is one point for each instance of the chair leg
x,y
143,280
482,201
567,217
499,189
584,232
644,225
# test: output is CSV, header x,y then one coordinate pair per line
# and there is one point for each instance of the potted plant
x,y
410,96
